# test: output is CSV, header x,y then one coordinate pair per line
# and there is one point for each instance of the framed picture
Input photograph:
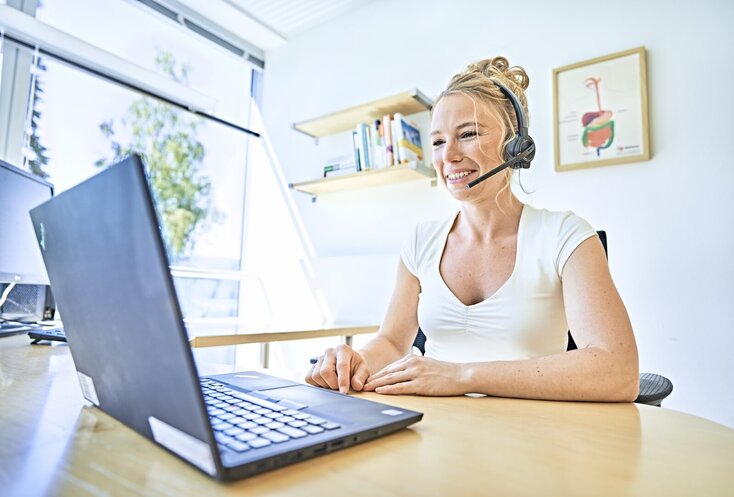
x,y
600,111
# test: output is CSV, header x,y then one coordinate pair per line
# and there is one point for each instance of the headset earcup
x,y
512,147
517,146
526,144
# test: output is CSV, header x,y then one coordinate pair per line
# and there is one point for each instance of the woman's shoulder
x,y
556,234
425,243
550,221
433,228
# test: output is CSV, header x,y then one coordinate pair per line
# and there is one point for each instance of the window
x,y
277,251
227,282
136,33
133,33
82,118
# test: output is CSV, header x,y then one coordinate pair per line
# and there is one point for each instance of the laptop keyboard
x,y
242,422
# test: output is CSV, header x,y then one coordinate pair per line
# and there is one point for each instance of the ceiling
x,y
251,26
288,18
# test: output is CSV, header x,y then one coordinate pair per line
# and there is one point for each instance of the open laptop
x,y
107,265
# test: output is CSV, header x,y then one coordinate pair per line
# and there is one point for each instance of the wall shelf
x,y
366,179
408,102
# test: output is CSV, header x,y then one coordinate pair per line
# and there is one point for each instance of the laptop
x,y
102,247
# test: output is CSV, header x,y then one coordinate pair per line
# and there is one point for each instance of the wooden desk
x,y
50,444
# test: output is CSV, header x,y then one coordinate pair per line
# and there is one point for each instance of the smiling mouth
x,y
458,176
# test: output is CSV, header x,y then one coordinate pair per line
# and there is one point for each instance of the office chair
x,y
653,387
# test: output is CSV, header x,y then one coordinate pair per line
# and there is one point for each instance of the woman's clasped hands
x,y
343,367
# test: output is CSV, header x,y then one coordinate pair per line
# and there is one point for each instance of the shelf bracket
x,y
422,99
295,127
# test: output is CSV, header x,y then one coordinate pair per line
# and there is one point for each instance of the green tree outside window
x,y
166,139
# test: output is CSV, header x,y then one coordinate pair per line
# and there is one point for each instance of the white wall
x,y
669,220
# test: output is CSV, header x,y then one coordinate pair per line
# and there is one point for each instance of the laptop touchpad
x,y
306,395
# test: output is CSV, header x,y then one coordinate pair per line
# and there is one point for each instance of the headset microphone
x,y
519,151
510,163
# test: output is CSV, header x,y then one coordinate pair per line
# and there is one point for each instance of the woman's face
x,y
465,139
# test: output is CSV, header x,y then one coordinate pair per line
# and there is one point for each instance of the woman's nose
x,y
452,151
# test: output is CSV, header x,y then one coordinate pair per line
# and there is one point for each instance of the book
x,y
387,134
378,149
408,140
340,171
347,159
395,148
355,147
363,146
340,164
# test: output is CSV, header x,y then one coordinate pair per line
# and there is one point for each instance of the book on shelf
x,y
340,165
363,146
385,142
407,139
387,136
394,140
339,171
355,147
378,145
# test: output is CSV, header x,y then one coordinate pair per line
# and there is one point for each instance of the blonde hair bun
x,y
500,67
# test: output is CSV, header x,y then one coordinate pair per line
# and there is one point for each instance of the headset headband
x,y
522,126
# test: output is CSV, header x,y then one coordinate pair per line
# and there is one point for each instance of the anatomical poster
x,y
600,111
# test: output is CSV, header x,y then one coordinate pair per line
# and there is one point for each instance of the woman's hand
x,y
339,368
419,375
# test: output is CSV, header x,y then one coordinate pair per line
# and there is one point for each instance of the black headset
x,y
522,145
520,151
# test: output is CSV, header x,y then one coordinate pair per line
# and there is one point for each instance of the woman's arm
x,y
604,368
395,337
342,366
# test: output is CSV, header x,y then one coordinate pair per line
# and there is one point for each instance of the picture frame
x,y
600,113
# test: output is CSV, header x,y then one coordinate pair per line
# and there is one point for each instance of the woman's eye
x,y
437,143
469,134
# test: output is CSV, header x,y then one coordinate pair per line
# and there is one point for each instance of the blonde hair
x,y
476,83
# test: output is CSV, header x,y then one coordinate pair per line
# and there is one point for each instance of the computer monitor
x,y
20,258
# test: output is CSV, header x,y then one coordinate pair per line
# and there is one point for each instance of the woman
x,y
497,285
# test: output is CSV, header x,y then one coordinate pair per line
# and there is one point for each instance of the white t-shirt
x,y
525,317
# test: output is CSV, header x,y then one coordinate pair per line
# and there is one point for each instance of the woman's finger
x,y
388,379
360,375
344,358
396,366
328,370
403,388
316,374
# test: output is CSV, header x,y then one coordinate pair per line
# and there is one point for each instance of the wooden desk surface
x,y
51,444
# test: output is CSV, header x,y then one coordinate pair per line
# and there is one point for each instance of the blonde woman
x,y
496,286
